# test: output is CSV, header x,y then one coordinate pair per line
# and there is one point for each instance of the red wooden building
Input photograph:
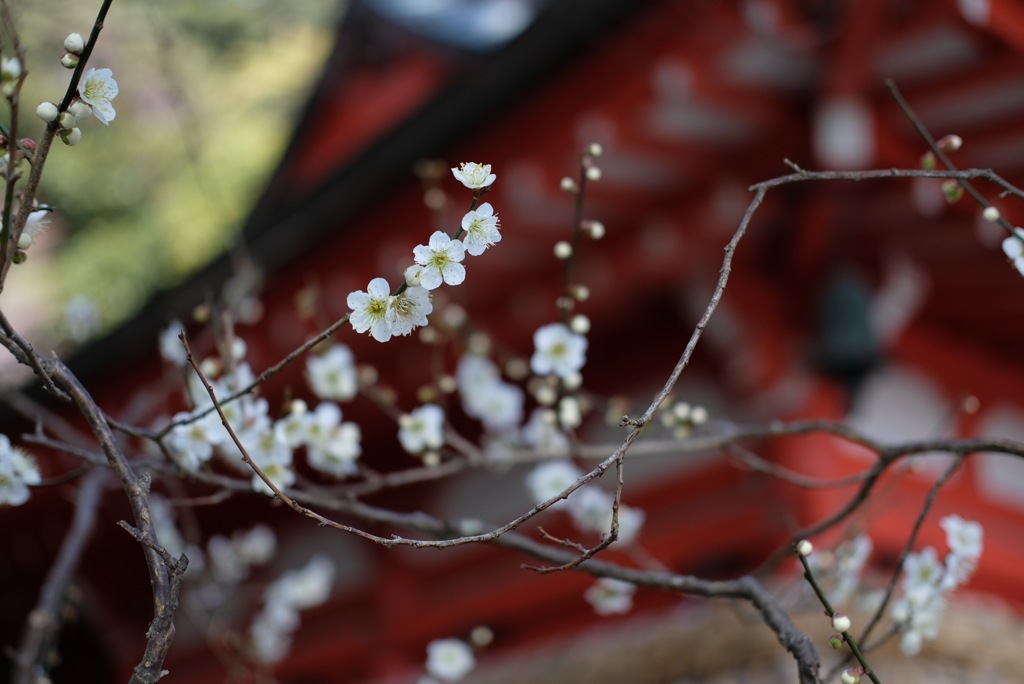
x,y
692,103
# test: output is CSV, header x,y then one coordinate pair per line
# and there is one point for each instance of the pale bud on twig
x,y
69,61
593,173
594,149
74,43
47,111
804,548
595,229
990,214
950,143
568,185
840,623
563,250
72,137
67,121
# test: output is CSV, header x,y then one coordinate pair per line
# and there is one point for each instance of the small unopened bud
x,y
72,137
565,304
840,623
804,548
80,110
563,250
699,415
595,229
950,143
580,293
67,120
545,394
447,384
298,407
952,191
580,324
595,149
24,240
74,43
928,161
431,459
47,111
991,214
69,61
593,173
19,257
836,641
10,69
412,275
481,636
850,677
568,185
28,145
569,413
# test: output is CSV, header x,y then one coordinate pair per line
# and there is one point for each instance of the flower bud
x,y
950,143
836,641
24,240
593,173
928,161
72,137
594,149
80,110
804,548
580,324
850,677
67,120
10,69
595,229
952,190
840,623
568,185
991,214
69,61
563,250
74,43
27,144
47,111
19,257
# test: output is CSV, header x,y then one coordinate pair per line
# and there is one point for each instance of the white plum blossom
x,y
18,470
928,583
332,375
332,446
171,348
35,224
422,429
370,310
481,226
591,510
1013,247
964,539
610,596
449,660
270,634
191,444
440,259
485,396
97,89
542,433
558,350
548,480
474,176
408,310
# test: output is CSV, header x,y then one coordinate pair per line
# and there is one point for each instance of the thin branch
x,y
44,621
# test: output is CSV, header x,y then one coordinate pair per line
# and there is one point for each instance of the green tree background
x,y
208,94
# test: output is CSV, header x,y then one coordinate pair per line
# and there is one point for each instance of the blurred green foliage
x,y
209,90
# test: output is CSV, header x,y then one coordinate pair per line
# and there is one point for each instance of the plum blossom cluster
x,y
18,470
609,596
590,507
96,93
332,446
840,569
682,418
384,314
927,583
448,660
295,590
